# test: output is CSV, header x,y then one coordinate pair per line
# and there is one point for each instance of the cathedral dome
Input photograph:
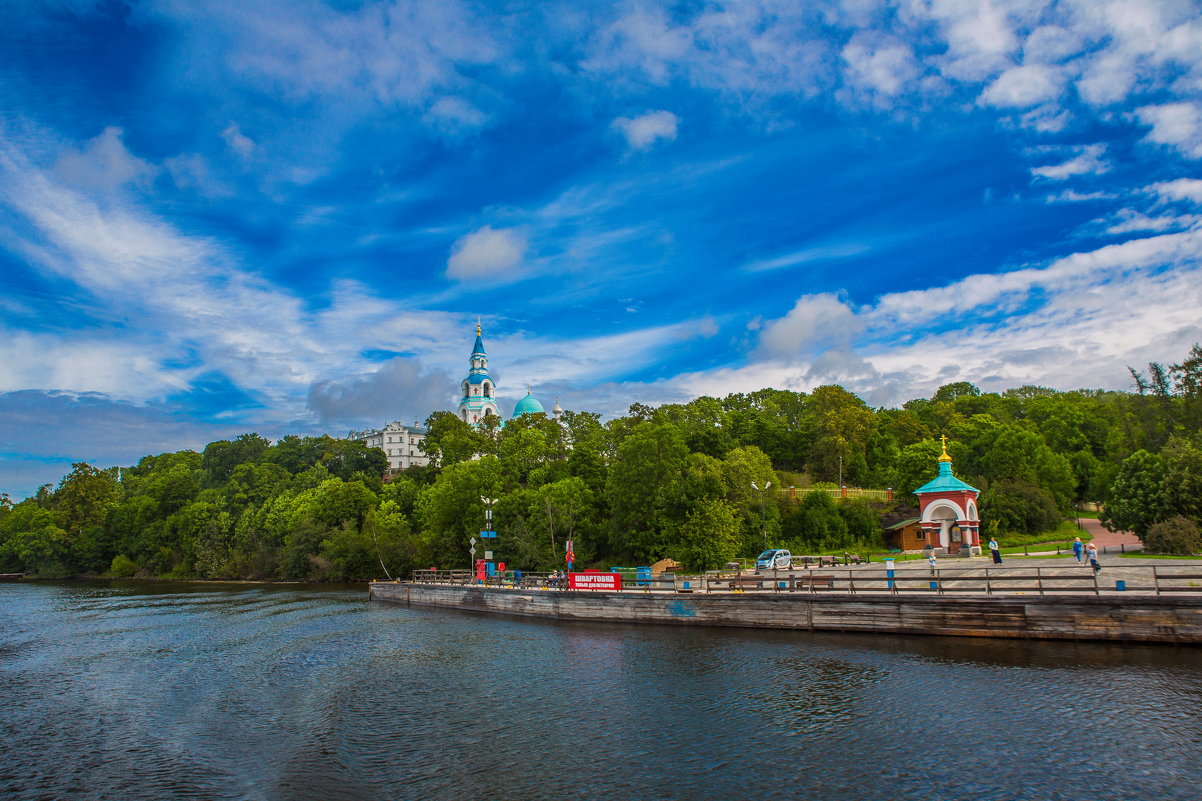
x,y
528,405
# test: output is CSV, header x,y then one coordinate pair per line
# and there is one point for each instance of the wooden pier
x,y
973,607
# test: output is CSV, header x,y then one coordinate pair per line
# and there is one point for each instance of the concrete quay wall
x,y
1053,617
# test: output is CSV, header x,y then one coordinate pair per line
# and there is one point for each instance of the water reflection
x,y
169,690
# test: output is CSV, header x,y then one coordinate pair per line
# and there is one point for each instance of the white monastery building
x,y
403,444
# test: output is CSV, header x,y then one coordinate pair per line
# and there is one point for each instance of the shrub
x,y
122,566
1177,535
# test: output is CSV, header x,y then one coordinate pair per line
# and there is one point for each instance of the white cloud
x,y
486,254
814,323
980,36
394,54
239,142
1051,44
743,48
454,116
806,255
1088,161
1072,196
170,308
191,172
1178,125
1073,323
1180,189
104,164
881,67
1023,87
1127,221
644,131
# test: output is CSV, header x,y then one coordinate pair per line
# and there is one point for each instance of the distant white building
x,y
400,443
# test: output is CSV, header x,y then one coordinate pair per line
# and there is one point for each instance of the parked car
x,y
774,559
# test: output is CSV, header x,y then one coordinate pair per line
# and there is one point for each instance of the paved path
x,y
1110,539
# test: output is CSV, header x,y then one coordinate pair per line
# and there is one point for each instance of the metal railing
x,y
1024,580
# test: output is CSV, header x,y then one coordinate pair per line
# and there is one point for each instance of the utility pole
x,y
763,523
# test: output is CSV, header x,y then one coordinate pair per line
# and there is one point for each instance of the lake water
x,y
130,690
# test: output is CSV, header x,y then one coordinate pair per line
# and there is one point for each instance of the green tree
x,y
561,507
916,465
863,523
816,525
220,458
649,461
709,536
1137,496
1182,484
756,510
1015,506
843,425
450,441
85,496
450,510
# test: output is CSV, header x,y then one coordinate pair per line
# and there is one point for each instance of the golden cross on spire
x,y
944,457
477,325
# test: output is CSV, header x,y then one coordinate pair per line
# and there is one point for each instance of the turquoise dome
x,y
528,405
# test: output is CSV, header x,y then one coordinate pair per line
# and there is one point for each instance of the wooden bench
x,y
740,582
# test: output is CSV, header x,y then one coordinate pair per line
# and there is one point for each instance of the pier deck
x,y
1149,605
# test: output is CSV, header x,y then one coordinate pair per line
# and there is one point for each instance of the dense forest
x,y
677,481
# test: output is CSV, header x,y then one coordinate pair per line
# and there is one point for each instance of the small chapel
x,y
948,518
948,510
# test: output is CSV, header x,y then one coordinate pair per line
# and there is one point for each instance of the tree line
x,y
683,481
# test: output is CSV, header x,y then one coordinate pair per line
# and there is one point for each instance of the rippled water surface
x,y
156,691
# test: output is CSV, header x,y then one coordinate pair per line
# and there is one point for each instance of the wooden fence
x,y
797,493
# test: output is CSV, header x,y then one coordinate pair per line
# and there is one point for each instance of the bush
x,y
122,566
1177,535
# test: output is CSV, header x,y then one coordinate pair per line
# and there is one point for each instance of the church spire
x,y
478,350
479,391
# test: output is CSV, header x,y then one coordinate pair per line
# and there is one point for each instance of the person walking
x,y
1091,553
931,560
1078,549
995,551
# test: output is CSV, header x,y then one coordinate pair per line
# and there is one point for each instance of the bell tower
x,y
479,397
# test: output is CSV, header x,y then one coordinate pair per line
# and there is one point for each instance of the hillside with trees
x,y
672,481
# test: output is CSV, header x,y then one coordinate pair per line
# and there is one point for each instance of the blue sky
x,y
285,217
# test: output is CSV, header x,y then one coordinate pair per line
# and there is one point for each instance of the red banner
x,y
594,581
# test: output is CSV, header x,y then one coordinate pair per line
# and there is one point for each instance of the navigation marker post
x,y
488,532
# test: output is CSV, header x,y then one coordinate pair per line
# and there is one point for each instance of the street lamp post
x,y
488,532
763,523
